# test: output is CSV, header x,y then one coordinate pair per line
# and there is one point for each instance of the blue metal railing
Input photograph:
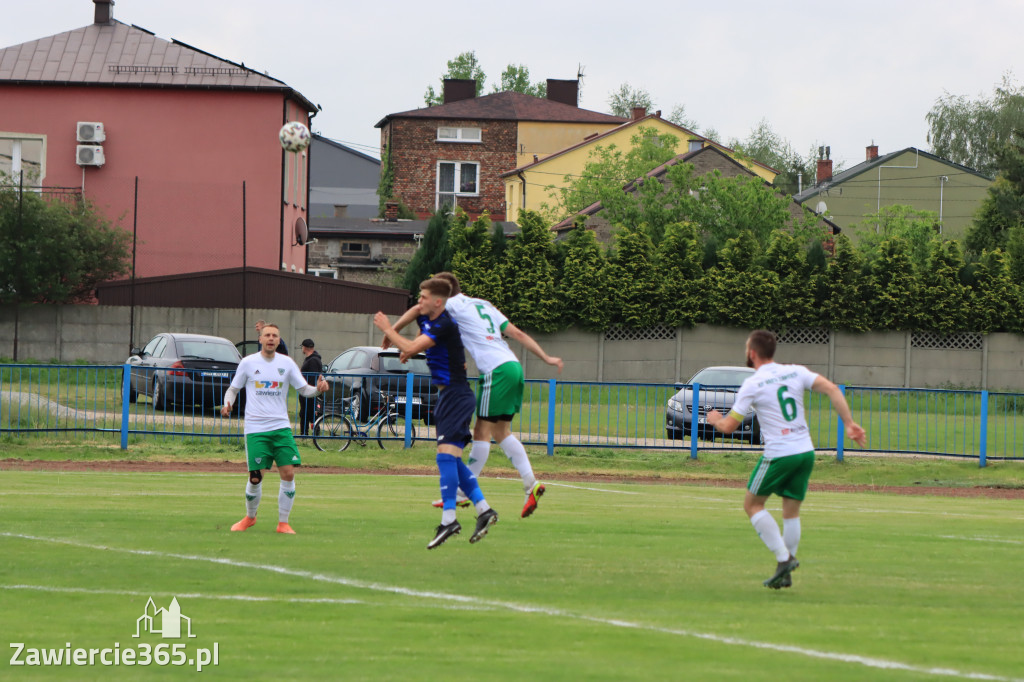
x,y
125,402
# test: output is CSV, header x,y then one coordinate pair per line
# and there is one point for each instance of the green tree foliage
x,y
995,295
917,228
633,282
794,303
765,145
892,288
742,294
725,207
944,299
472,258
434,254
681,284
971,132
584,285
1003,207
680,118
1015,253
528,277
465,66
516,78
846,307
54,252
622,101
386,184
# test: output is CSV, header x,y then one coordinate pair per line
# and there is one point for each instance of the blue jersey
x,y
446,358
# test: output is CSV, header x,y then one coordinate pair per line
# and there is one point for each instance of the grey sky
x,y
841,74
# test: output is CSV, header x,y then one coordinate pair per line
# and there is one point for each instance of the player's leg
x,y
258,458
506,400
287,458
447,469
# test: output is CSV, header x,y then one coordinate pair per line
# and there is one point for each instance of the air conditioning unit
x,y
89,155
91,131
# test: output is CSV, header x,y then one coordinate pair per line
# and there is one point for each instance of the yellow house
x,y
529,185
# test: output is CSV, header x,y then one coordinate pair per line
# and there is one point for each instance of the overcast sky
x,y
821,73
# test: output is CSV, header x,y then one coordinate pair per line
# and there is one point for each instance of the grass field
x,y
607,581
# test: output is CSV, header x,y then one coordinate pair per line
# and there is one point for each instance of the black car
x,y
374,377
184,369
718,386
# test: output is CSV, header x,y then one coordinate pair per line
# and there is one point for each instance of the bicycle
x,y
335,430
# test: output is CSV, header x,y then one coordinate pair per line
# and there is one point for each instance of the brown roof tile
x,y
508,106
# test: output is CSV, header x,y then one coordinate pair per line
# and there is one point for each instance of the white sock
x,y
253,493
791,534
769,533
481,507
285,499
515,451
447,517
478,456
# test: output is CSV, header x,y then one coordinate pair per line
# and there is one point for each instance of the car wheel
x,y
159,399
755,434
133,395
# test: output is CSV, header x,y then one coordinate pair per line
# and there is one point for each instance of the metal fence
x,y
103,402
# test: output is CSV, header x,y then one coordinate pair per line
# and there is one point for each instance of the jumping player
x,y
439,338
776,393
268,433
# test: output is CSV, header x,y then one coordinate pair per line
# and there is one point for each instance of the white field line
x,y
979,538
866,661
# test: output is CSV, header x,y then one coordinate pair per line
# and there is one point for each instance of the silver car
x,y
718,387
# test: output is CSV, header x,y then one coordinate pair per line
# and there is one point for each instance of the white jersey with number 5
x,y
776,393
480,325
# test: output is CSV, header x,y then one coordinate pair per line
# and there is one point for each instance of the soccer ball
x,y
294,136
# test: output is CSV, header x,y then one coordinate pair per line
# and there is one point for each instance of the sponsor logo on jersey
x,y
280,370
267,384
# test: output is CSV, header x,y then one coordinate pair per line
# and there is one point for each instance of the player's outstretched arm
x,y
409,347
531,345
854,430
407,317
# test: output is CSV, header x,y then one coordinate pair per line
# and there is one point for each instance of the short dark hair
x,y
451,279
436,286
763,343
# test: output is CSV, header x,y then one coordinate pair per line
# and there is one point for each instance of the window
x,y
23,153
696,145
324,272
448,134
356,249
455,179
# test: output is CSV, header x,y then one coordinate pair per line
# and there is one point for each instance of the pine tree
x,y
846,307
794,299
584,287
682,284
944,299
635,292
893,287
434,253
528,277
472,258
995,295
742,293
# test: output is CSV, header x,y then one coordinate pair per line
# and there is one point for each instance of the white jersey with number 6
x,y
480,325
776,393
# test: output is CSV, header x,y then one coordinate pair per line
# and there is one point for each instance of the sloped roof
x,y
345,148
865,166
635,122
507,106
117,54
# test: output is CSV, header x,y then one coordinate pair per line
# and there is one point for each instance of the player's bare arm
x,y
722,423
409,347
854,430
407,317
530,344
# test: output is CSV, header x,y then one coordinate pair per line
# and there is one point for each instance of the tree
x,y
1003,207
633,285
918,228
768,147
528,276
472,258
970,132
434,252
742,293
679,117
846,308
465,65
892,287
794,300
682,284
516,78
943,298
995,295
622,101
584,274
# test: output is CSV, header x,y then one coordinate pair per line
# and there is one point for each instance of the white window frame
x,y
330,273
461,134
362,252
17,140
458,174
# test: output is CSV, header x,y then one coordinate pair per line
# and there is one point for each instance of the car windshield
x,y
719,377
208,350
390,363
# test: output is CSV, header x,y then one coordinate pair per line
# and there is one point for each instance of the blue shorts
x,y
453,414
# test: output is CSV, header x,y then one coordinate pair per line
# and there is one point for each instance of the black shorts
x,y
453,414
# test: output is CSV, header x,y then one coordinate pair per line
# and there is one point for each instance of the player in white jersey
x,y
500,394
776,393
266,376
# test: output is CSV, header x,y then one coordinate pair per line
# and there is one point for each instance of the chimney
x,y
824,173
638,113
872,151
104,12
456,89
566,92
391,211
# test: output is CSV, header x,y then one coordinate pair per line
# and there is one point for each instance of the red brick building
x,y
456,152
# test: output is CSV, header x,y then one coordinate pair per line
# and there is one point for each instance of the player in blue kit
x,y
439,339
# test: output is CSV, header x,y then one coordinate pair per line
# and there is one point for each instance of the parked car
x,y
718,386
184,369
374,377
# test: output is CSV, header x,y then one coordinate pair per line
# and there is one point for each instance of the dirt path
x,y
11,464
